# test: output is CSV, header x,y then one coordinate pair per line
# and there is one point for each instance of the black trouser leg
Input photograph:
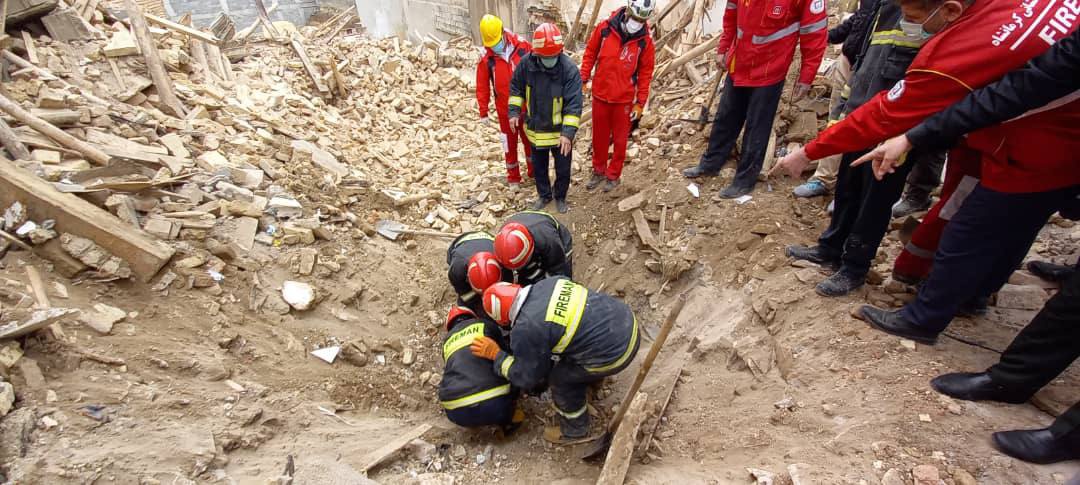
x,y
1044,348
540,169
873,214
494,411
925,175
562,173
849,186
727,124
759,122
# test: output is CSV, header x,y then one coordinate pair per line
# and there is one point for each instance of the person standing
x,y
622,51
545,93
503,51
756,48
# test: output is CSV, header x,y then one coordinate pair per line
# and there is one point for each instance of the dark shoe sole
x,y
701,175
917,338
828,294
905,279
968,397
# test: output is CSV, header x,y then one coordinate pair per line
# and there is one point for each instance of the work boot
x,y
610,185
733,192
562,206
812,188
1038,445
891,322
813,254
1048,271
515,422
906,279
514,187
595,181
840,283
974,386
975,307
911,204
696,171
540,203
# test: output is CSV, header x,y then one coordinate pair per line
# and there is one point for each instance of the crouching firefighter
x,y
470,392
473,268
534,245
562,333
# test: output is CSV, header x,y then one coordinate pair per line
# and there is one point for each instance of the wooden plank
x,y
666,390
214,57
622,445
103,138
31,48
576,27
56,134
339,80
313,72
371,460
265,15
162,81
226,68
81,218
116,73
37,321
11,142
183,29
643,230
41,297
706,46
198,53
91,7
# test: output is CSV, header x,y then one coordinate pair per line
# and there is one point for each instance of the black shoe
x,y
733,192
910,205
595,181
975,307
1057,273
561,206
813,254
974,386
1036,446
540,203
696,171
610,185
891,322
906,279
840,283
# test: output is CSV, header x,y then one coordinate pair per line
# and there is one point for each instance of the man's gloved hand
x,y
801,90
586,88
722,62
635,112
485,348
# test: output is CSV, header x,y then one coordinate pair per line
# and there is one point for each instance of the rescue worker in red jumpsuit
x,y
1029,168
503,51
622,51
757,47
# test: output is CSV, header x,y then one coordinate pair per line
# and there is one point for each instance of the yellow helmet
x,y
491,30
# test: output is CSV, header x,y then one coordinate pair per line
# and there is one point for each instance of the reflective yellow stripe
x,y
565,308
473,236
573,414
556,111
626,355
895,37
478,397
516,101
505,367
542,213
463,338
528,95
571,120
543,140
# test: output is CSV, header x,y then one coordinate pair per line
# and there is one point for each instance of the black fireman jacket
x,y
552,97
468,379
562,320
457,258
553,251
851,33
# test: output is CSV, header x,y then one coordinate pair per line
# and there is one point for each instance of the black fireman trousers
x,y
753,106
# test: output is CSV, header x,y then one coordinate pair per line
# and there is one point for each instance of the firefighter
x,y
1027,167
470,392
503,51
756,48
622,50
534,245
473,268
561,333
545,101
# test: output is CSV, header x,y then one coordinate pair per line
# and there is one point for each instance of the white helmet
x,y
641,9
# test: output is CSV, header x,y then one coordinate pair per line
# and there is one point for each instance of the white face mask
x,y
633,25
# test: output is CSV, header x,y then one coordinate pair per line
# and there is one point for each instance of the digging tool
x,y
600,447
393,229
704,118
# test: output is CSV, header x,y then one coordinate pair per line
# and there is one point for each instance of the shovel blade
x,y
389,229
598,449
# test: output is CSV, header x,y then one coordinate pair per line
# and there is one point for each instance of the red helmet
x,y
484,271
514,245
456,312
498,299
547,41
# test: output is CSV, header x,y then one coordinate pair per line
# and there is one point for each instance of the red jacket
x,y
1031,154
494,69
624,62
759,37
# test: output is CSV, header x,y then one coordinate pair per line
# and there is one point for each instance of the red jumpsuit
x,y
1033,154
496,70
624,69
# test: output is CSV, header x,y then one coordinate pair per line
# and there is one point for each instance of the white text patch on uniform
x,y
817,6
896,91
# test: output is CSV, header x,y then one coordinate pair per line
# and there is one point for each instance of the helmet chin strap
x,y
519,300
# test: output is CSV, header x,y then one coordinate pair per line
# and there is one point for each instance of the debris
x,y
743,199
408,356
643,231
633,202
926,475
1021,297
121,43
694,190
102,318
327,354
372,459
10,353
907,344
762,477
7,398
962,477
38,320
797,474
925,418
892,477
621,451
299,296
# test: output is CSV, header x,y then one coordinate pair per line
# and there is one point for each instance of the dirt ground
x,y
216,390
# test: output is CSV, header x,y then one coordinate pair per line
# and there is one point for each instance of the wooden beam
x,y
313,72
226,68
81,218
11,142
31,48
622,445
56,134
371,460
265,15
668,9
183,29
339,80
162,81
576,27
198,53
213,55
592,21
707,46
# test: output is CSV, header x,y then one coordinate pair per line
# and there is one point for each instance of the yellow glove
x,y
485,348
635,113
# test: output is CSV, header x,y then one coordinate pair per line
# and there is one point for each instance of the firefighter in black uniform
x,y
535,245
470,392
562,333
473,268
